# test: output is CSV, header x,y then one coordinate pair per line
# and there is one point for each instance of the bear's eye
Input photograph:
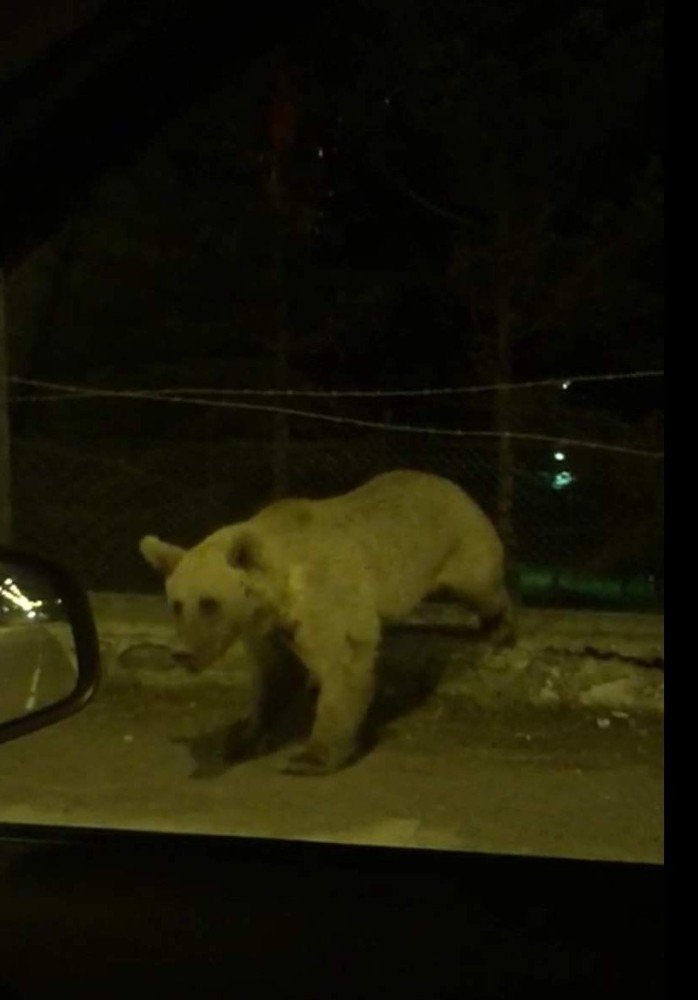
x,y
177,607
208,605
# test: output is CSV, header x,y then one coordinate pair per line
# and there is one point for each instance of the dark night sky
x,y
166,71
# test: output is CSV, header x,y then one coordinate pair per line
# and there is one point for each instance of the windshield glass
x,y
334,369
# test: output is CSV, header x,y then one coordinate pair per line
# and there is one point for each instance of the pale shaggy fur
x,y
324,574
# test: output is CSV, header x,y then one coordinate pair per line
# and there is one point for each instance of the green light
x,y
562,479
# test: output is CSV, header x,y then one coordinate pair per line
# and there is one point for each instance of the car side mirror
x,y
49,653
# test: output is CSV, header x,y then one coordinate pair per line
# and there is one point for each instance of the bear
x,y
322,577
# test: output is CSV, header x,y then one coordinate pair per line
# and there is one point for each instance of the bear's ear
x,y
161,555
245,552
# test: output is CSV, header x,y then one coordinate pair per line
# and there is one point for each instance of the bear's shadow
x,y
217,750
398,693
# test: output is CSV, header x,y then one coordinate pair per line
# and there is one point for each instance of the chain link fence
x,y
586,536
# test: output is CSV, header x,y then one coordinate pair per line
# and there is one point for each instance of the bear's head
x,y
214,592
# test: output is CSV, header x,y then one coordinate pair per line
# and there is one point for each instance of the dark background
x,y
379,195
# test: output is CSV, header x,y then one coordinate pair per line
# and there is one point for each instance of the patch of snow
x,y
620,693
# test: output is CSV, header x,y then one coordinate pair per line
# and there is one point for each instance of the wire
x,y
81,392
566,381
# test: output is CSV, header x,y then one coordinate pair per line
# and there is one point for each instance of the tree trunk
x,y
505,455
282,131
281,433
502,399
5,472
66,248
384,455
282,436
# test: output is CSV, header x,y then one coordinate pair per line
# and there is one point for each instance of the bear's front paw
x,y
314,758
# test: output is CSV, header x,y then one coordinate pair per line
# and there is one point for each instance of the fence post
x,y
5,473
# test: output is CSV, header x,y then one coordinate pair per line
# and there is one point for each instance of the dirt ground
x,y
442,774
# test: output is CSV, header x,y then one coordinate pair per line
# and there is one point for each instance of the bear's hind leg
x,y
490,601
500,627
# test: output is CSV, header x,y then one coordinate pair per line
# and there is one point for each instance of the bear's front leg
x,y
346,689
276,674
